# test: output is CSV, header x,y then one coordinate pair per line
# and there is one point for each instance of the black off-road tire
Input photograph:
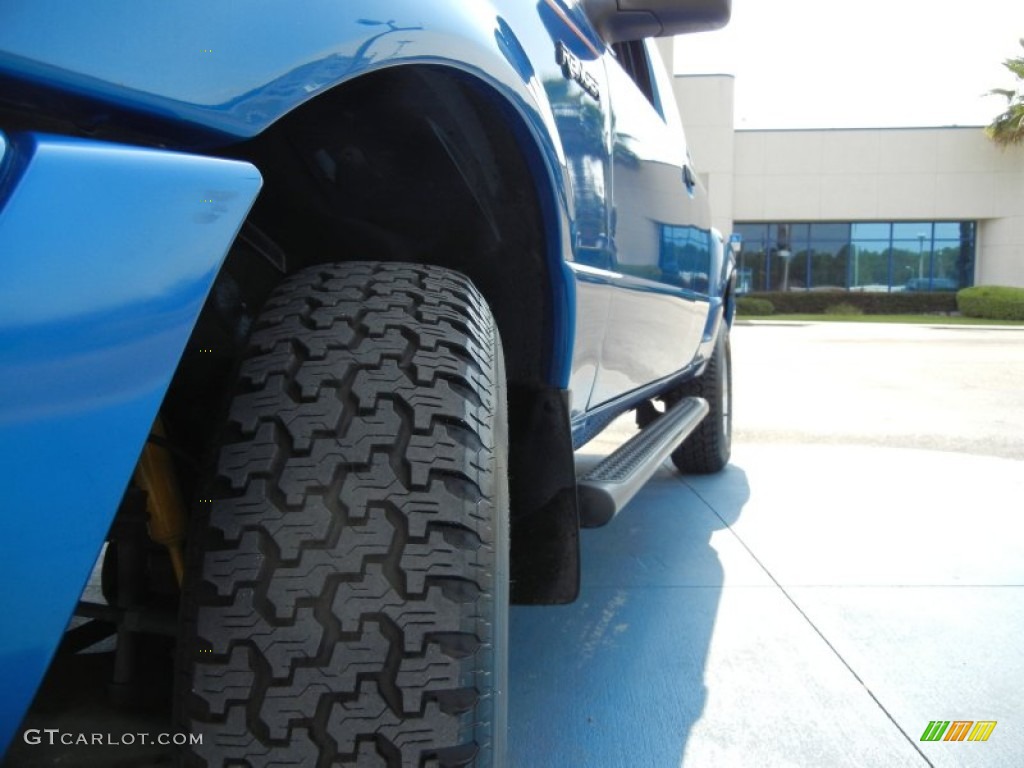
x,y
708,448
347,593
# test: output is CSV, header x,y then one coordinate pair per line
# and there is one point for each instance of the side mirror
x,y
620,21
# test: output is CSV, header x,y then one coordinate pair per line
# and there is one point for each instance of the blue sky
x,y
861,63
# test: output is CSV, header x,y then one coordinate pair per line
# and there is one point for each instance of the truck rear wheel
x,y
708,448
347,594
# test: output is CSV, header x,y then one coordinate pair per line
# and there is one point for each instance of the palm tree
x,y
1008,127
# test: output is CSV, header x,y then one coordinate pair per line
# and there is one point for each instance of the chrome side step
x,y
609,486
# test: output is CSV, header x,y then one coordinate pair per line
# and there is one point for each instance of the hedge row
x,y
817,302
745,305
993,302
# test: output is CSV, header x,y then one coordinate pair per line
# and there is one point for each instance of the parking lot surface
x,y
947,388
855,574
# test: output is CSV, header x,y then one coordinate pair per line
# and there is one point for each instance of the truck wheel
x,y
708,448
347,595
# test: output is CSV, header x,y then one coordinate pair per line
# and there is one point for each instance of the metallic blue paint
x,y
656,316
107,254
588,425
232,69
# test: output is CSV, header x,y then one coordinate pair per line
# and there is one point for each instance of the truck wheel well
x,y
416,164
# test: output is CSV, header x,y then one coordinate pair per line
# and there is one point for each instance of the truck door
x,y
660,246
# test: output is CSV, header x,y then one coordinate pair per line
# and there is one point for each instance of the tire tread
x,y
349,589
707,450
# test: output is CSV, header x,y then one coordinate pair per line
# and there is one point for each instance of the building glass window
x,y
911,260
789,255
946,262
869,256
857,256
830,253
751,265
911,230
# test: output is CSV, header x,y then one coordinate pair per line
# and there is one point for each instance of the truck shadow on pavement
x,y
617,678
614,679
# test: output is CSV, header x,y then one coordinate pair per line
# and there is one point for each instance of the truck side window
x,y
633,58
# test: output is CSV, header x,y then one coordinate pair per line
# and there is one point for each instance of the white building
x,y
863,209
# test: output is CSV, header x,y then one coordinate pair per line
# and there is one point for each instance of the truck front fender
x,y
107,254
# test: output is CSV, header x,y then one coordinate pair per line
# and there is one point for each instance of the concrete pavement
x,y
949,388
838,587
823,599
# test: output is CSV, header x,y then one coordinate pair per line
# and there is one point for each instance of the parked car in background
x,y
931,284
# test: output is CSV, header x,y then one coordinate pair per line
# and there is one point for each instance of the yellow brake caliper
x,y
156,476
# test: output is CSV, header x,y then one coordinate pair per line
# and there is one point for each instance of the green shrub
x,y
843,308
870,303
746,305
993,302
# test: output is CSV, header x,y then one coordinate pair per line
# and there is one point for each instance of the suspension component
x,y
155,474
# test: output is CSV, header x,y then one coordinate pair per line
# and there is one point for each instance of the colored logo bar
x,y
958,730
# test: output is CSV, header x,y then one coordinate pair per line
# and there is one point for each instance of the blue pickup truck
x,y
305,310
